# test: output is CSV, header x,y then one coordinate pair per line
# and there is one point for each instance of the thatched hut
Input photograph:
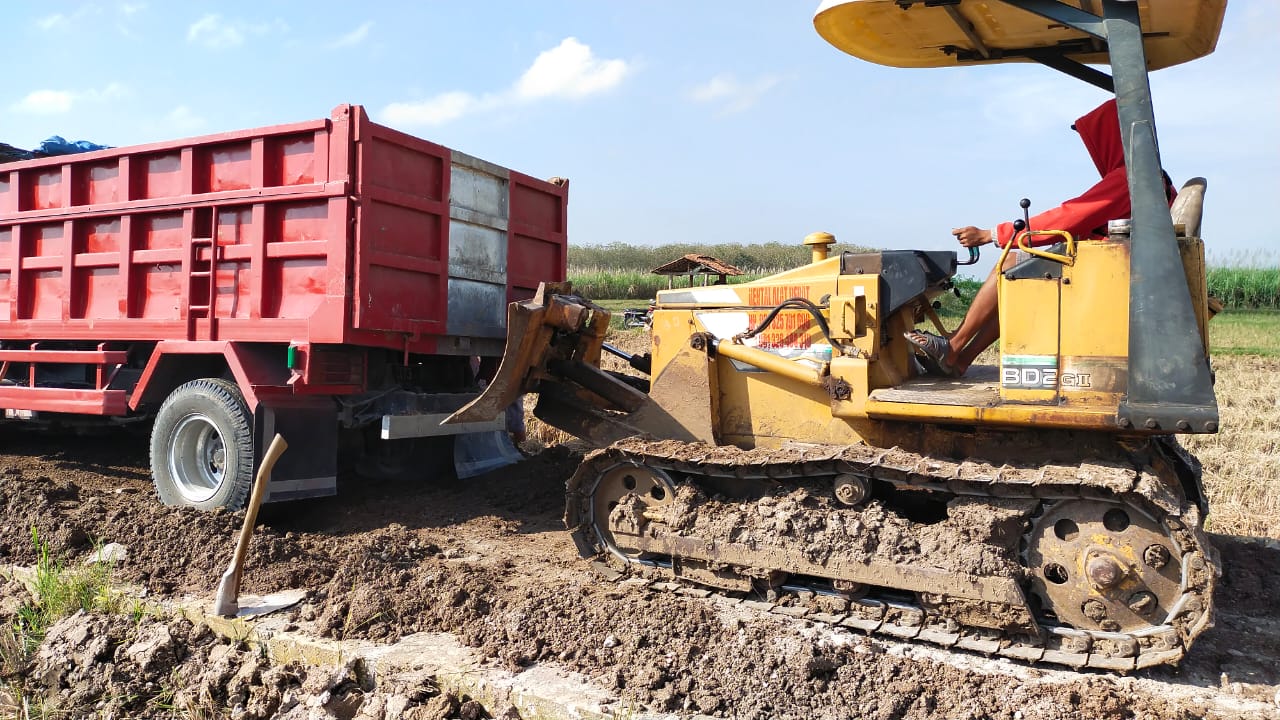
x,y
694,265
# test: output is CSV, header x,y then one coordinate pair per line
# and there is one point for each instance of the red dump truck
x,y
332,280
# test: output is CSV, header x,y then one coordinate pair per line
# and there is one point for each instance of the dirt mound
x,y
96,665
168,549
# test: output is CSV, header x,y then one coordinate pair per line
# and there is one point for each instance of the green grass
x,y
61,591
58,591
953,307
615,307
1245,332
1245,287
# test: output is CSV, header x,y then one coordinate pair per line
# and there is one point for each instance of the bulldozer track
x,y
1129,477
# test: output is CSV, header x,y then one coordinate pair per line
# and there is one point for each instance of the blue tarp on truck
x,y
55,145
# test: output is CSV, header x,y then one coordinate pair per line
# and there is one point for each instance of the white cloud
x,y
49,22
112,91
1024,105
183,119
716,88
355,37
569,70
732,95
437,110
213,31
45,102
57,102
86,13
61,21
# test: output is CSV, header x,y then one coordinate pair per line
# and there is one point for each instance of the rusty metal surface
x,y
570,409
523,322
1120,577
616,393
554,327
684,392
980,387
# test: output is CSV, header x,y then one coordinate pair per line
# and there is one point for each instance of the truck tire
x,y
202,446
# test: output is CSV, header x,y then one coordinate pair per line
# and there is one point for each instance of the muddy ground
x,y
487,560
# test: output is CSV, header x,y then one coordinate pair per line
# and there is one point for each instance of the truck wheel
x,y
202,446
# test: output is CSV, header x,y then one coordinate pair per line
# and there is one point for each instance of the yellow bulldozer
x,y
787,450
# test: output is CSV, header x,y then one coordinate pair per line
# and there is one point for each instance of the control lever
x,y
1019,225
1025,222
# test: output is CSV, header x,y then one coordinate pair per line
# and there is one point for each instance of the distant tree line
x,y
751,259
620,271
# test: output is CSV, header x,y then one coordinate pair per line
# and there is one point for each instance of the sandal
x,y
933,351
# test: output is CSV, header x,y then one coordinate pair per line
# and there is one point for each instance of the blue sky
x,y
675,121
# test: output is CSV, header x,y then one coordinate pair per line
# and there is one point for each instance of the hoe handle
x,y
274,451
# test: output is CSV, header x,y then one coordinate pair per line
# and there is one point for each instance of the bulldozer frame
x,y
799,391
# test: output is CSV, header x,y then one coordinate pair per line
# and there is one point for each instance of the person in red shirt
x,y
1084,217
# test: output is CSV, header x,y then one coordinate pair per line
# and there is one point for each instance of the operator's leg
x,y
981,325
987,333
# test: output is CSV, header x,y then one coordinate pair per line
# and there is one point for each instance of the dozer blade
x,y
553,349
554,329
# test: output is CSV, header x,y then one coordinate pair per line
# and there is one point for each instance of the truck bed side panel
x,y
337,230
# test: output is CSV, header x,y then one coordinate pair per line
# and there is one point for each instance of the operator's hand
x,y
971,236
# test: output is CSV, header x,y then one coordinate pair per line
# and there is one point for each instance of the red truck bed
x,y
337,231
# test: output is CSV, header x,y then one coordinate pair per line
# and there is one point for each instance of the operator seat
x,y
1188,207
1187,210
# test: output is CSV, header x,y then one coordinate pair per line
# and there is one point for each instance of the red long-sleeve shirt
x,y
1085,215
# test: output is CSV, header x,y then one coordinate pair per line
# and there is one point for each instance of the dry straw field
x,y
1242,462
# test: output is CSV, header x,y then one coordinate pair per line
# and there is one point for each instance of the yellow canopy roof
x,y
980,31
